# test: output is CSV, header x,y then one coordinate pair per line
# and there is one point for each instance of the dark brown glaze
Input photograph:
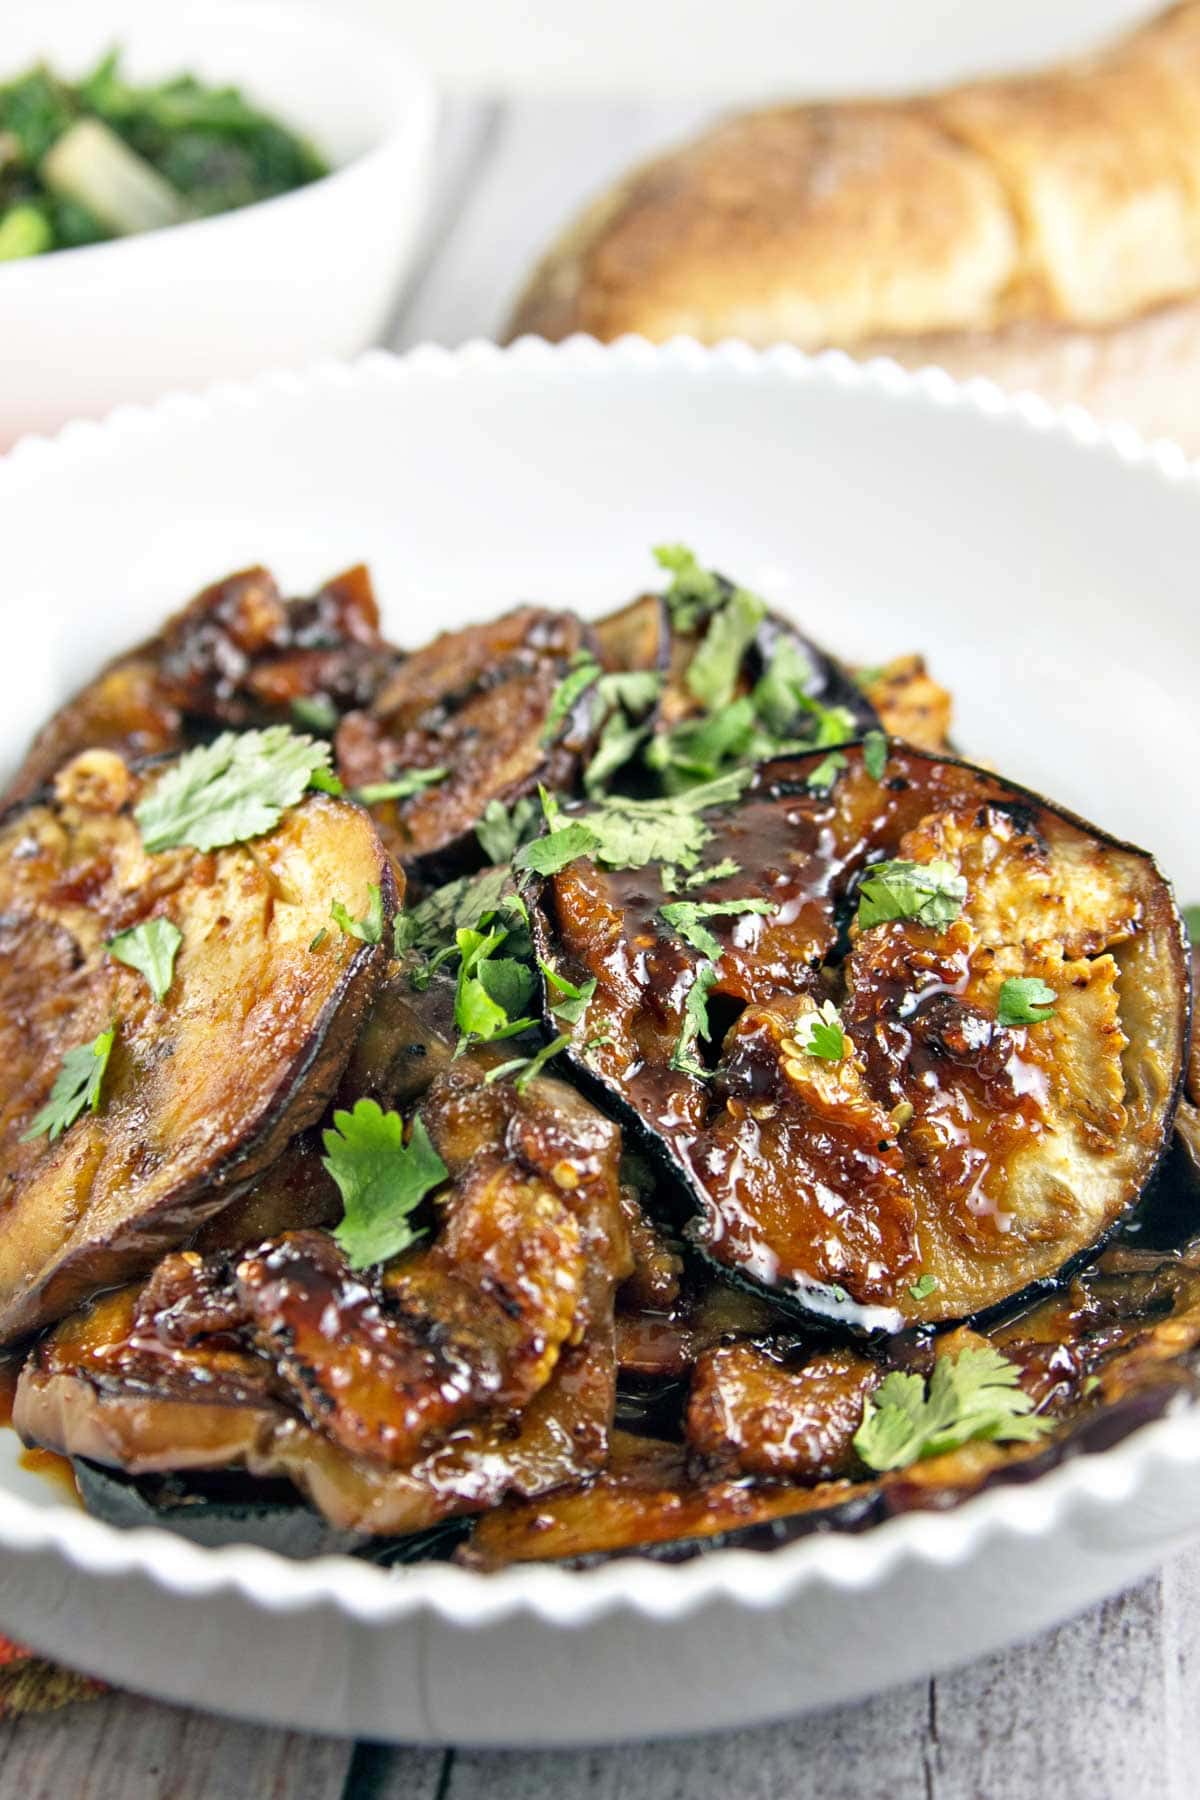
x,y
1116,1349
752,1413
204,1089
476,702
238,655
946,1146
477,1365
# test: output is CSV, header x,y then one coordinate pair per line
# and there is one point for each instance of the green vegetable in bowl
x,y
104,158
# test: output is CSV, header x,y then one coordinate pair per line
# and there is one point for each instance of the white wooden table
x,y
1105,1708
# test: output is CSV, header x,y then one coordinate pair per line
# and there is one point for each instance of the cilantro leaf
x,y
782,689
974,1395
502,830
369,929
584,672
695,1023
547,855
150,948
529,1067
574,1003
229,791
399,787
875,754
1024,1000
458,904
324,781
826,1037
315,712
694,590
822,778
684,916
381,1180
1191,918
923,1286
932,893
76,1086
491,990
713,672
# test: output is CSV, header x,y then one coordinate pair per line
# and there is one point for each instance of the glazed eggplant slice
x,y
478,705
477,1366
1119,1347
203,1089
237,655
757,1413
885,1130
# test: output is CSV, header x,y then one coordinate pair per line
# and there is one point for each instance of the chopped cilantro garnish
x,y
695,1023
527,1068
713,672
630,694
319,939
502,830
399,787
368,929
694,590
1025,1000
684,916
574,1002
826,1037
923,1286
433,923
974,1395
76,1086
875,753
1191,918
324,781
315,712
150,948
231,790
628,834
381,1180
782,689
932,893
822,778
584,672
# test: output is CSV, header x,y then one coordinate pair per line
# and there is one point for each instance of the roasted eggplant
x,y
204,1088
1119,1347
474,710
479,1366
237,655
862,1056
925,1160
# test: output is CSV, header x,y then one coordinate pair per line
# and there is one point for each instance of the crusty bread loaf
x,y
1044,230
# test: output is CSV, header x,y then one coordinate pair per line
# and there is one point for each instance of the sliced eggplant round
x,y
479,1365
203,1089
479,706
238,655
917,1160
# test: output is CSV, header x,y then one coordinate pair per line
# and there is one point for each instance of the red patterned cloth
x,y
30,1684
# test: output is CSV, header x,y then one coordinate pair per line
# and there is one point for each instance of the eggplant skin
x,y
204,1089
478,705
1118,1350
988,1158
238,655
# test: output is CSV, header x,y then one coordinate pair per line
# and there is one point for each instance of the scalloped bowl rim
x,y
1098,1482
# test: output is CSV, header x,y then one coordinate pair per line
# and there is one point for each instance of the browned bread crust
x,y
1015,227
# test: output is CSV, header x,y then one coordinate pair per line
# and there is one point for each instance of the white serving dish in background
x,y
1047,567
311,274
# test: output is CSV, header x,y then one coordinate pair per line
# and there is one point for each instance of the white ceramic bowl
x,y
1048,567
311,274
